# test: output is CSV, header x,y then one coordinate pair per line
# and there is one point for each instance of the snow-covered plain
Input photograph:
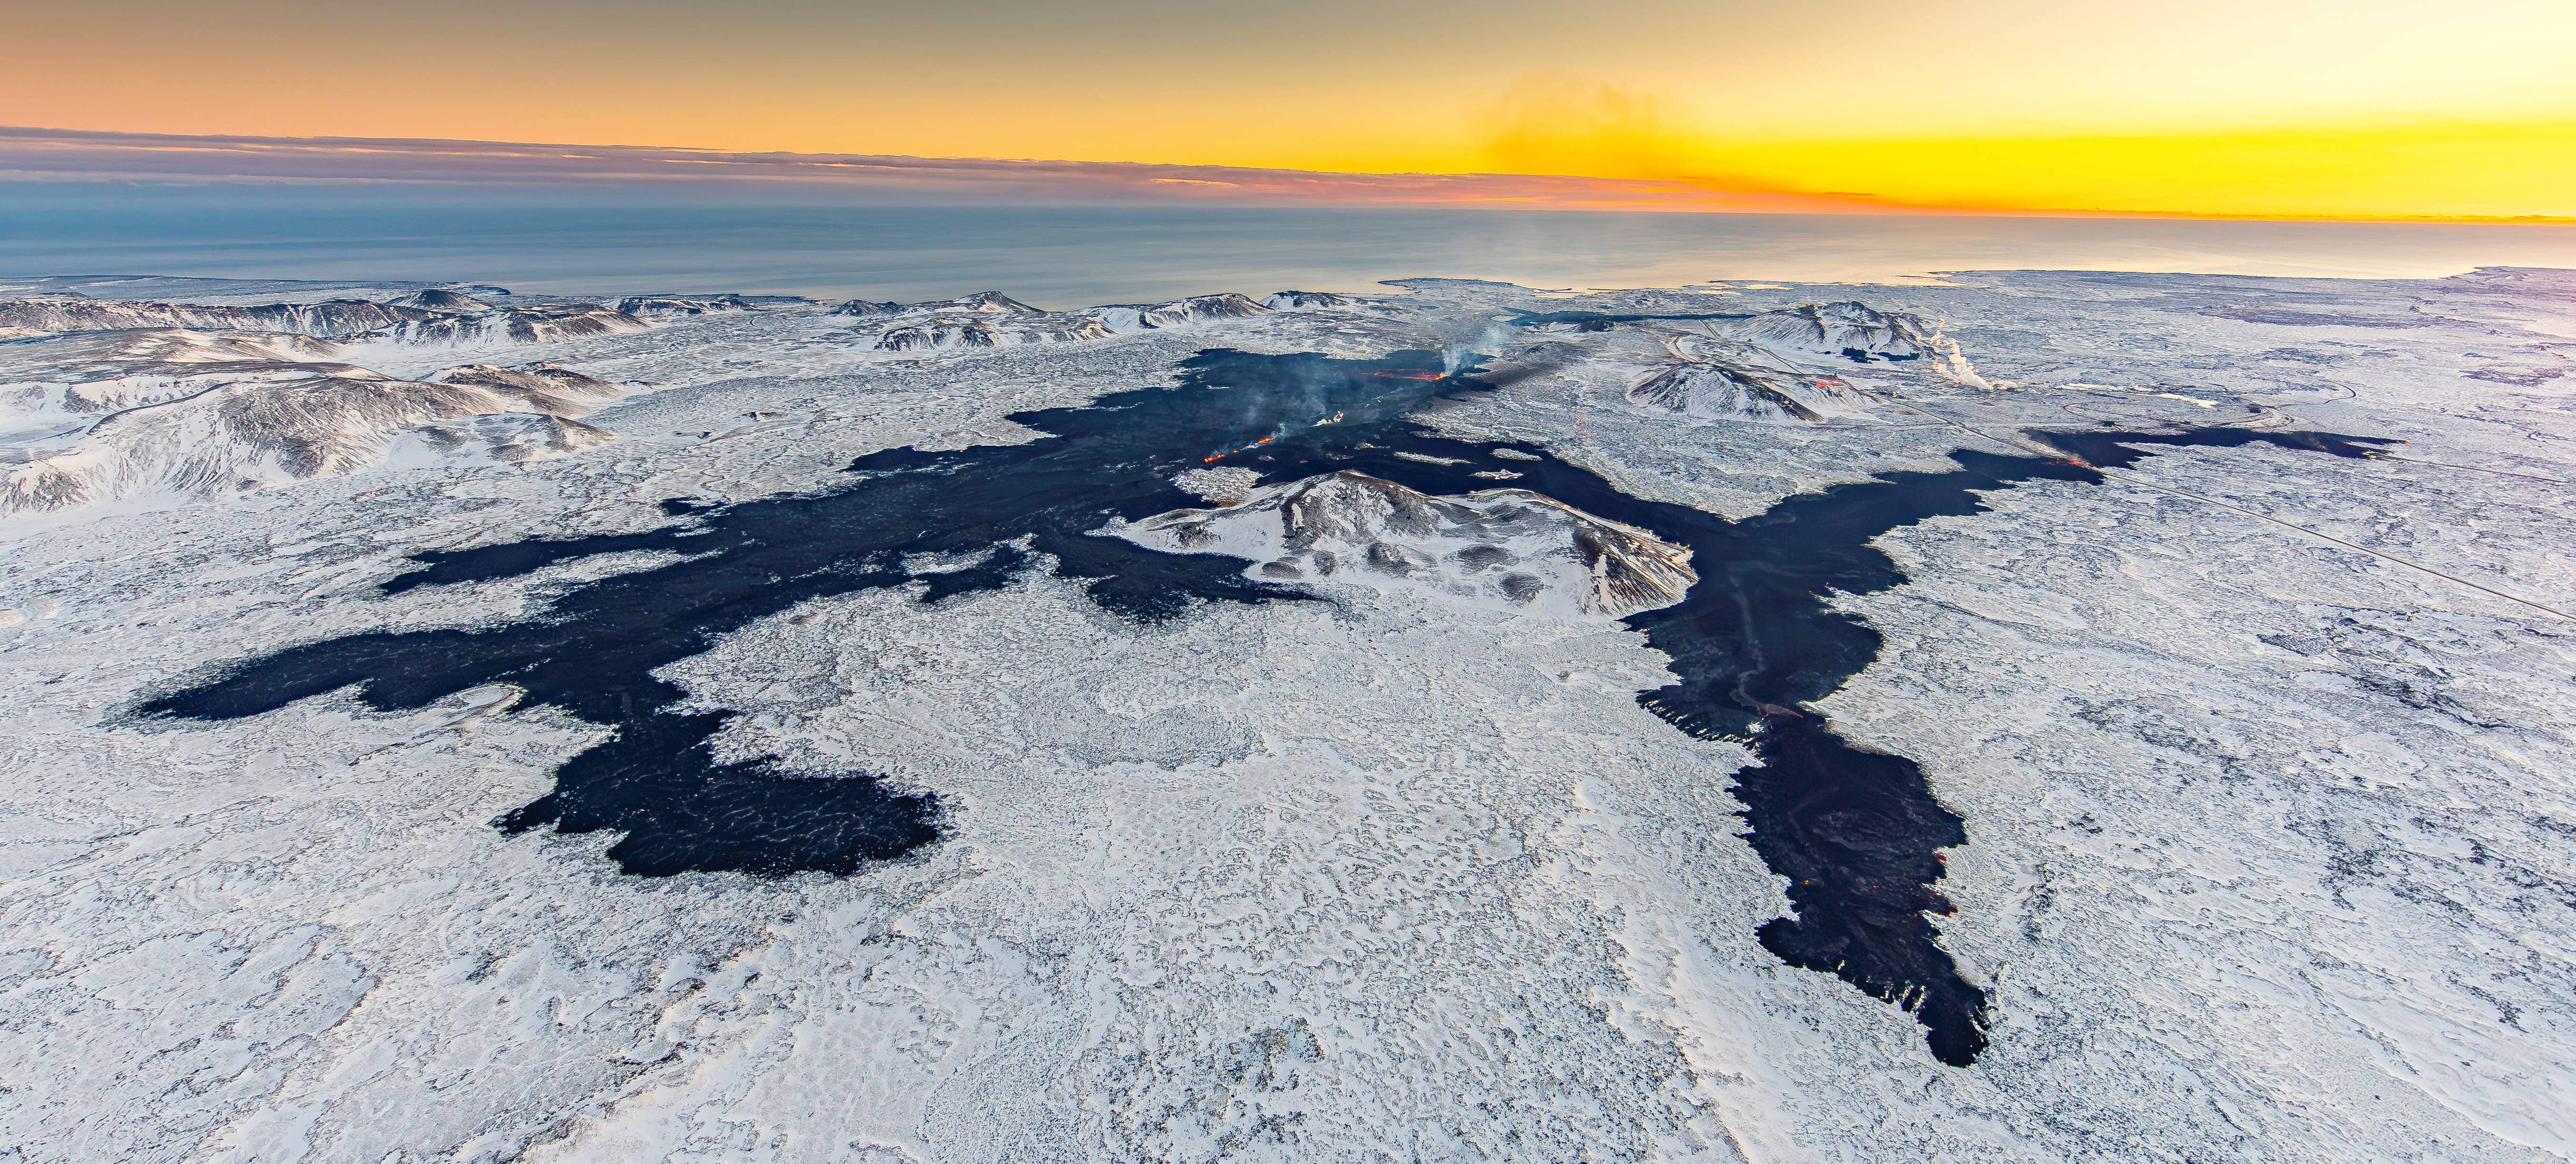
x,y
2264,758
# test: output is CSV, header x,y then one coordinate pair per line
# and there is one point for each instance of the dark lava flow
x,y
1855,832
951,521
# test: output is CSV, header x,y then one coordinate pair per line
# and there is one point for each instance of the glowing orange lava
x,y
1244,449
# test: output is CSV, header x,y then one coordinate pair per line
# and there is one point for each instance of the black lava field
x,y
1856,833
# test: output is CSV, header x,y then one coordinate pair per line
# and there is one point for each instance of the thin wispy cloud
x,y
70,155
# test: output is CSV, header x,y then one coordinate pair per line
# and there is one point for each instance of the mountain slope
x,y
1723,381
444,318
1845,328
293,422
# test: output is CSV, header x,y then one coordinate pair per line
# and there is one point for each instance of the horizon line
x,y
44,154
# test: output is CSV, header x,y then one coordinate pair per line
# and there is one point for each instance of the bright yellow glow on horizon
x,y
2439,170
2290,108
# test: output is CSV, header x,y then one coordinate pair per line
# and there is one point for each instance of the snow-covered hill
x,y
665,306
979,303
51,381
547,388
333,319
278,423
501,438
1126,318
544,323
1845,328
1726,381
1294,300
940,334
433,317
1506,548
993,320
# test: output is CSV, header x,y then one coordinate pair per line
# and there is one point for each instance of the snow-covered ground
x,y
2264,756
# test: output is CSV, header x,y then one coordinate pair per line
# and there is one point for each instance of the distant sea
x,y
546,240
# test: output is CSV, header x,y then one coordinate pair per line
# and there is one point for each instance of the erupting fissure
x,y
1212,458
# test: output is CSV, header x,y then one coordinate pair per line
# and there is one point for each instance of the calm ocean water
x,y
1079,255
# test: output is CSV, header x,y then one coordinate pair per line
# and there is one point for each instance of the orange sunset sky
x,y
2290,108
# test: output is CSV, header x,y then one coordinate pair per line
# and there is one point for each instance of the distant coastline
x,y
794,239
